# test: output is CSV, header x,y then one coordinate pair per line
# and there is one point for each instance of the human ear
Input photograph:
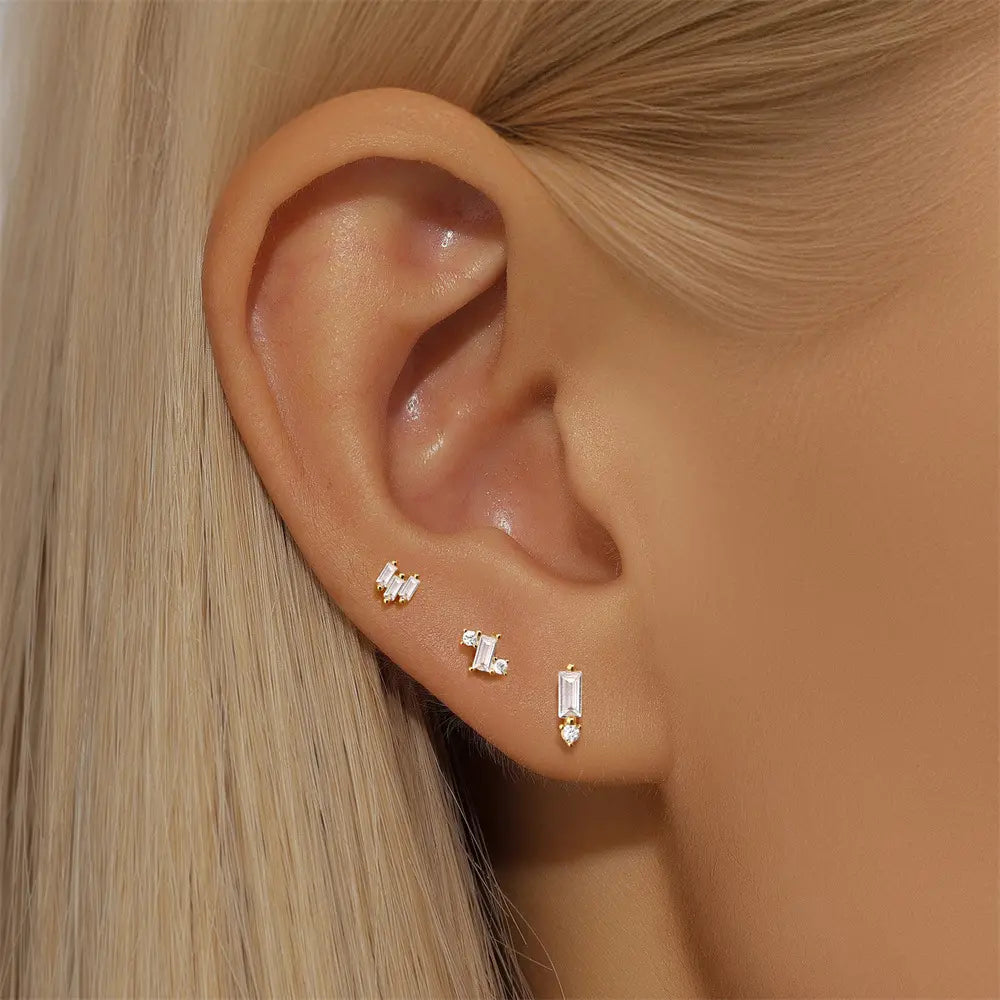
x,y
400,319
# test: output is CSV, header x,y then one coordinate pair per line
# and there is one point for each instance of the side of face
x,y
821,517
773,558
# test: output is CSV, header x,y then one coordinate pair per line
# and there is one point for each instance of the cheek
x,y
825,560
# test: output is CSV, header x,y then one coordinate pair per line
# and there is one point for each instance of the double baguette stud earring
x,y
570,704
485,646
394,586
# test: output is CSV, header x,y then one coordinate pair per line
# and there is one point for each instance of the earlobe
x,y
390,379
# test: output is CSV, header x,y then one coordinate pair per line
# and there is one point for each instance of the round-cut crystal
x,y
468,637
499,666
570,733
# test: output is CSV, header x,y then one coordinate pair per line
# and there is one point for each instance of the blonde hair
x,y
209,785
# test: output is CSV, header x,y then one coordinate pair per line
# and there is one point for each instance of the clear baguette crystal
x,y
395,586
408,589
484,653
570,693
388,572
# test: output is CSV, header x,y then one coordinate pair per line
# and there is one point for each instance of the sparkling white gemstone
x,y
388,572
408,589
570,732
499,666
470,637
484,652
570,693
395,586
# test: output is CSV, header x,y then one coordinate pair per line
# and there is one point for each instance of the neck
x,y
587,870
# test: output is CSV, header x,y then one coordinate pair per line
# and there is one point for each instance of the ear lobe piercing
x,y
570,704
393,586
485,646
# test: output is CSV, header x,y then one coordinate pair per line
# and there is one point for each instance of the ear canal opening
x,y
592,537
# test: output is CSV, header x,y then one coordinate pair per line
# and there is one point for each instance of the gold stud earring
x,y
570,704
485,646
394,586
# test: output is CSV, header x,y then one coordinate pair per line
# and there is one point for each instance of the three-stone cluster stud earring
x,y
570,704
485,646
394,586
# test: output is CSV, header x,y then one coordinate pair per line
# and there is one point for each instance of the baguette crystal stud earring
x,y
485,646
394,586
570,704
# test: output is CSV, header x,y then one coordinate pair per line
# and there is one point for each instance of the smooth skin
x,y
774,559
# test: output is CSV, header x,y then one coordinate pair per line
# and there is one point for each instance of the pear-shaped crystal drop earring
x,y
570,704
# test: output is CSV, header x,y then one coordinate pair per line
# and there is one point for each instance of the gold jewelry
x,y
570,704
485,646
394,586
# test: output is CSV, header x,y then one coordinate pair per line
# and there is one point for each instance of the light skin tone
x,y
774,560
